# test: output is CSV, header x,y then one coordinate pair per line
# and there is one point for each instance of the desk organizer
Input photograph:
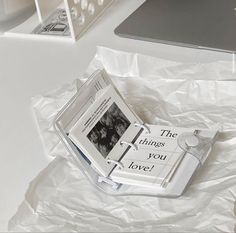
x,y
58,19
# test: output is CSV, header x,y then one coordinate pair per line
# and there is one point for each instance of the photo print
x,y
57,25
108,130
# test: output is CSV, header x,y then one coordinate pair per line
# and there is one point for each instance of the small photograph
x,y
108,130
54,28
56,24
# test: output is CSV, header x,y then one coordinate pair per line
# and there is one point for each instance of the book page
x,y
102,127
157,154
84,98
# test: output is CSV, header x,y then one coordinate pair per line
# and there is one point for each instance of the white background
x,y
29,67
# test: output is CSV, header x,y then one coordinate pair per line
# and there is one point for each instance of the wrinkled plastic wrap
x,y
161,92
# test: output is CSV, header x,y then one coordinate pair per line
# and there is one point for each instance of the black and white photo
x,y
56,24
108,130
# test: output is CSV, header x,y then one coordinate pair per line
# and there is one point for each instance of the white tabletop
x,y
29,67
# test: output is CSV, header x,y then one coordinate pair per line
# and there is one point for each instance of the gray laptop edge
x,y
206,24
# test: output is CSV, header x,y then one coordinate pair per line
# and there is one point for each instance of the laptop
x,y
206,24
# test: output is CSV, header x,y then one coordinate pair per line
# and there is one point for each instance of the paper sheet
x,y
161,92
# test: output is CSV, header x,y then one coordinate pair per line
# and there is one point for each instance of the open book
x,y
119,146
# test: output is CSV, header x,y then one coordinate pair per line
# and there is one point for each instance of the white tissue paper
x,y
60,199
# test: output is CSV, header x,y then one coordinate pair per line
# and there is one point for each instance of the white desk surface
x,y
29,67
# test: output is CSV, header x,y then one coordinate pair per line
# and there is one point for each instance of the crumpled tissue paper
x,y
60,199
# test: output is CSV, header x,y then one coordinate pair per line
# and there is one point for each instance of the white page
x,y
157,154
102,127
84,98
